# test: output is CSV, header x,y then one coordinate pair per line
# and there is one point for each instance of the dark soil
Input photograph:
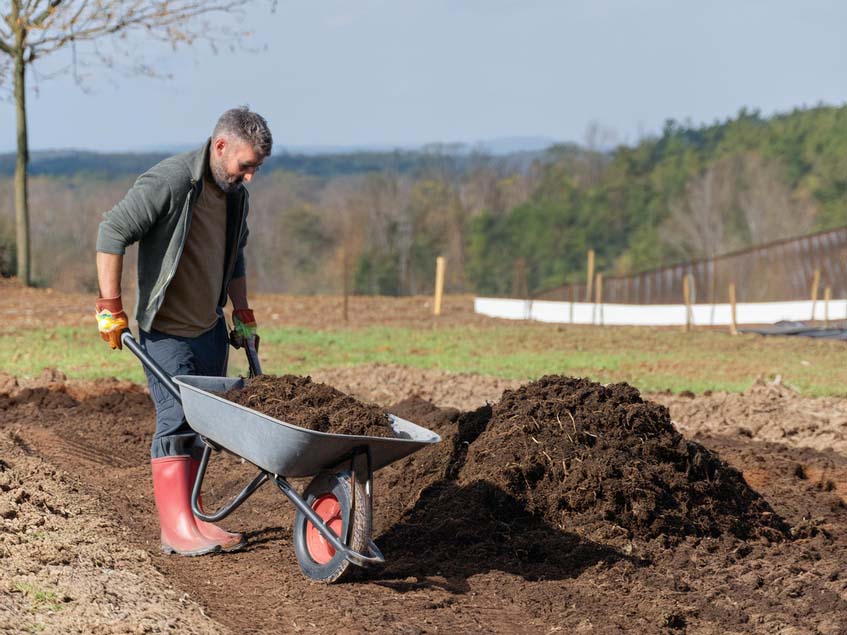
x,y
302,402
513,486
464,552
579,454
405,481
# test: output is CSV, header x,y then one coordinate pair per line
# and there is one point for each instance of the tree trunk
x,y
21,196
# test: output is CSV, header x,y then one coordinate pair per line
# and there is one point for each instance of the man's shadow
x,y
454,532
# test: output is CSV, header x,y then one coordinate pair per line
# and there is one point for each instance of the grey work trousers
x,y
205,354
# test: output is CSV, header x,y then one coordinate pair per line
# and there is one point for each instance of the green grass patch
x,y
650,359
78,352
41,599
497,352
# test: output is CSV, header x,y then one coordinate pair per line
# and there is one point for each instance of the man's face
x,y
232,162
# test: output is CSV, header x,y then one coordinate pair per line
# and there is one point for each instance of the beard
x,y
223,180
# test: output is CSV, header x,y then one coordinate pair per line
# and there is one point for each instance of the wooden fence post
x,y
573,299
345,285
713,290
599,298
440,266
816,280
827,296
686,296
590,279
733,325
520,284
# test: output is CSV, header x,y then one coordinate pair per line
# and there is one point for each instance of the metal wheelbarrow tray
x,y
332,526
282,448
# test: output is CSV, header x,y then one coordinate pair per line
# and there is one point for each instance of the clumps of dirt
x,y
300,401
46,392
52,390
426,414
66,567
39,399
384,383
769,410
400,484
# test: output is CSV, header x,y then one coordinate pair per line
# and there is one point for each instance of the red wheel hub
x,y
328,508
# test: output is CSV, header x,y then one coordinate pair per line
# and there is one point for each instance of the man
x,y
188,214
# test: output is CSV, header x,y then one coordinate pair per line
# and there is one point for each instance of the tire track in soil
x,y
71,448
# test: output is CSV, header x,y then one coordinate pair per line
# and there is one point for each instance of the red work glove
x,y
243,327
111,320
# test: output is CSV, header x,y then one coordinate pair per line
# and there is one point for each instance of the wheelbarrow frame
x,y
364,476
345,455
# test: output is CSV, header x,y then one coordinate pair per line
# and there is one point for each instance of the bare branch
x,y
6,32
51,25
699,223
39,19
109,18
770,209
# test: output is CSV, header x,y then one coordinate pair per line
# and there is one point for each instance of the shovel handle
x,y
150,364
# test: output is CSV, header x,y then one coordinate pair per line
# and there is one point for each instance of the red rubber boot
x,y
226,539
172,491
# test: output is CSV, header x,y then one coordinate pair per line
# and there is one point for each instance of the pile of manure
x,y
300,401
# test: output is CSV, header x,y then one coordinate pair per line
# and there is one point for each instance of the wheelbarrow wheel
x,y
331,497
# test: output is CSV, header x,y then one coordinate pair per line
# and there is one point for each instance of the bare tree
x,y
771,211
346,217
598,141
385,199
737,201
699,225
33,29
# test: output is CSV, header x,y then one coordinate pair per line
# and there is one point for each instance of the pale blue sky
x,y
399,72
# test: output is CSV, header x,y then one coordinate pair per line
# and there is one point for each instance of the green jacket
x,y
156,213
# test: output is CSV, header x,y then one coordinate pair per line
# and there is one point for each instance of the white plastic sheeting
x,y
658,314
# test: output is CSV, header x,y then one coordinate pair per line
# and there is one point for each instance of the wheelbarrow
x,y
333,521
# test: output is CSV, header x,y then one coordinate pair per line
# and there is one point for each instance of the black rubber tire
x,y
355,522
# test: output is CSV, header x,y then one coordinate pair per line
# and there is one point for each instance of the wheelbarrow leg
x,y
332,527
228,540
361,468
260,479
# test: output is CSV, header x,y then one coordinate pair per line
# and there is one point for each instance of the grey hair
x,y
248,126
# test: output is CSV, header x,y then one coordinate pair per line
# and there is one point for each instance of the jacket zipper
x,y
189,204
241,222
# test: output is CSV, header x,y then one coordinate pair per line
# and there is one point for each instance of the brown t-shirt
x,y
191,299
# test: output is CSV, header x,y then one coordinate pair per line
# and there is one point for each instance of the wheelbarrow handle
x,y
150,364
251,348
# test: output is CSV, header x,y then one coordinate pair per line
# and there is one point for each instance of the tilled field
x,y
468,534
25,307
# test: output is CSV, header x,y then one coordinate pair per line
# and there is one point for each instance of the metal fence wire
x,y
773,272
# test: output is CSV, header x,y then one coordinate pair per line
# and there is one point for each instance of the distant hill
x,y
112,165
72,162
514,153
500,146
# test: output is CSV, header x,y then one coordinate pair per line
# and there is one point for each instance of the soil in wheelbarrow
x,y
300,401
520,482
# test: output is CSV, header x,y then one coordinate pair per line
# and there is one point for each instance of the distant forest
x,y
382,218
